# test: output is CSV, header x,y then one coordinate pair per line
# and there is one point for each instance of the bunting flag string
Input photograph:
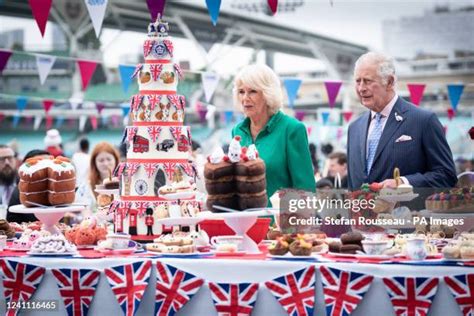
x,y
141,207
343,290
295,291
175,132
462,289
416,92
128,282
169,46
155,71
137,70
174,288
20,281
411,296
132,168
178,69
154,132
147,46
234,298
77,288
150,168
169,168
131,132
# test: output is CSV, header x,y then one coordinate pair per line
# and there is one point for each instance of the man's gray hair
x,y
386,65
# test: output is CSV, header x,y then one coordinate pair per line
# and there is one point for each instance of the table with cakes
x,y
157,246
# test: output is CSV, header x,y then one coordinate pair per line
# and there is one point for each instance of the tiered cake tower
x,y
157,180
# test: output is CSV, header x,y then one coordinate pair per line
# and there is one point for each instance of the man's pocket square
x,y
403,138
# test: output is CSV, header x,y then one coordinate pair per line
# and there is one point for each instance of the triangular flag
x,y
202,114
416,92
47,104
214,6
49,122
454,94
302,282
451,114
40,10
59,121
273,5
20,282
100,107
16,120
174,288
343,290
228,116
4,56
86,69
461,287
77,288
125,109
347,115
411,296
94,122
82,122
37,123
126,76
74,103
309,129
325,117
21,103
292,86
44,63
128,282
210,81
155,7
234,298
299,115
332,89
96,11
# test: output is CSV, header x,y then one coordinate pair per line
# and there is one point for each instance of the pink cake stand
x,y
49,216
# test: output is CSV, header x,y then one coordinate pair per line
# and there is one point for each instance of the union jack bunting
x,y
147,46
155,71
120,169
123,208
182,100
20,281
234,299
174,288
343,290
137,70
154,99
150,168
131,132
132,168
175,132
169,168
178,70
295,291
113,206
174,99
128,282
169,46
136,101
77,288
411,296
154,132
187,168
462,288
141,207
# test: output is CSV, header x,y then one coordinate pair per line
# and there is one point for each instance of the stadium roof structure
x,y
192,21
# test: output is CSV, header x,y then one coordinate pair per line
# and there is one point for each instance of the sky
x,y
356,21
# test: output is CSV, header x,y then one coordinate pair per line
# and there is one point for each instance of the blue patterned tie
x,y
373,141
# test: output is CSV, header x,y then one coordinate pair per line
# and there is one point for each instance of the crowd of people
x,y
392,133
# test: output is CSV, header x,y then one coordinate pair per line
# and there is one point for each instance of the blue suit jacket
x,y
426,161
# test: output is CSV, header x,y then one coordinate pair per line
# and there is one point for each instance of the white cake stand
x,y
49,216
241,222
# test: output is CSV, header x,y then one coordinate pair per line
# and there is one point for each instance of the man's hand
x,y
389,183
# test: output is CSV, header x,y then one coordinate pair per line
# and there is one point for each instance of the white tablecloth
x,y
376,301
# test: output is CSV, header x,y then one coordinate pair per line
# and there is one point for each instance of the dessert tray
x,y
52,254
289,256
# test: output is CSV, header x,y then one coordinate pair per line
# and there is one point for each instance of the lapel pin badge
x,y
398,117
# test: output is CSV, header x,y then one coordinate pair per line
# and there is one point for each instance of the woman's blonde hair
x,y
94,175
262,78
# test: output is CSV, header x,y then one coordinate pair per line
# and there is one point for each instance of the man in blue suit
x,y
394,133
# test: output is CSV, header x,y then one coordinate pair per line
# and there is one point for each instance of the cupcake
x,y
278,247
300,248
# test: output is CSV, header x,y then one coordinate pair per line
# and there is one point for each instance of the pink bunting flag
x,y
100,107
332,89
4,57
155,7
202,114
87,69
40,10
94,122
299,115
47,105
347,115
309,129
416,92
451,114
49,121
273,5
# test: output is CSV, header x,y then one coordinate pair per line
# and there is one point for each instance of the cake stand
x,y
241,222
49,216
181,221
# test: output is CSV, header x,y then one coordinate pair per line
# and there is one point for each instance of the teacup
x,y
217,241
416,248
3,242
118,241
376,247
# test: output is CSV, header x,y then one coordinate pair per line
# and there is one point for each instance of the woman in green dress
x,y
282,141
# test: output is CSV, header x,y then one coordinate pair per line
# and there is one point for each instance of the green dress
x,y
283,145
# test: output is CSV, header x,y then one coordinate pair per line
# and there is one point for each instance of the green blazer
x,y
283,145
